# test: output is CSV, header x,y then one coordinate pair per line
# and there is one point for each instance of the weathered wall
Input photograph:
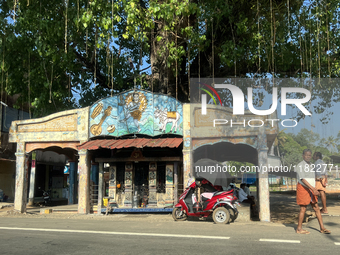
x,y
201,126
65,129
63,126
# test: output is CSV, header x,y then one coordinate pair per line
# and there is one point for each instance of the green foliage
x,y
291,146
61,48
306,138
290,150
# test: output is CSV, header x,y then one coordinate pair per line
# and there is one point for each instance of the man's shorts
x,y
304,196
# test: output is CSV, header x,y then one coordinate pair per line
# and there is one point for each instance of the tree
x,y
291,151
307,138
52,50
331,144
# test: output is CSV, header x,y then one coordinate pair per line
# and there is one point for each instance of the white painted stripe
x,y
337,243
117,233
279,241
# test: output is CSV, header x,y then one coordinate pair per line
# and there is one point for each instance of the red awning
x,y
127,143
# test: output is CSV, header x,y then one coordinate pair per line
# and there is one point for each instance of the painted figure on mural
x,y
135,104
166,117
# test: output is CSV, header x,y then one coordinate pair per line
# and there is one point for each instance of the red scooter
x,y
221,204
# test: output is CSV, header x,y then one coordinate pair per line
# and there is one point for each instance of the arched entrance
x,y
53,169
59,133
203,139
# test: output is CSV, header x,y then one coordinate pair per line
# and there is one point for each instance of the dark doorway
x,y
141,184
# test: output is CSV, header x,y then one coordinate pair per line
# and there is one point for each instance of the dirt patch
x,y
283,207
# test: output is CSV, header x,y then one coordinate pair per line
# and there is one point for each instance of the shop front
x,y
129,146
136,137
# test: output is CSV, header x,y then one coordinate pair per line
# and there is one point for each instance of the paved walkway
x,y
284,209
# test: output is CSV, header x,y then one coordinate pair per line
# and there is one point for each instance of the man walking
x,y
306,193
321,179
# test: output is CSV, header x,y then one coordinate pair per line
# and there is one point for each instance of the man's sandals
x,y
322,211
306,232
325,231
302,231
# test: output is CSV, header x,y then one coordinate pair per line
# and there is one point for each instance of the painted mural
x,y
136,112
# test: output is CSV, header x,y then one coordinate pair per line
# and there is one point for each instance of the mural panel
x,y
136,111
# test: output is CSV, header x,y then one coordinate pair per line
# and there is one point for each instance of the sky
x,y
331,128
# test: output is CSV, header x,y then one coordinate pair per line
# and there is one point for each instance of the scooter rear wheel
x,y
178,214
221,215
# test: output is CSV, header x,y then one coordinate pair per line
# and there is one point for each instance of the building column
x,y
100,188
187,167
152,185
263,187
21,179
187,145
84,182
169,184
32,180
112,183
128,185
72,182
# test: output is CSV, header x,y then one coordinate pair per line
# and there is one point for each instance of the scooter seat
x,y
207,195
205,199
218,193
223,191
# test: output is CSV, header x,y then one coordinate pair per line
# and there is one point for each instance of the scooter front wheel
x,y
233,214
178,214
221,215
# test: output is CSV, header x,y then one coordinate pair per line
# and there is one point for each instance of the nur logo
x,y
238,99
204,97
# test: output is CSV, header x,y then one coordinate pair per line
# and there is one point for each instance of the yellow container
x,y
105,201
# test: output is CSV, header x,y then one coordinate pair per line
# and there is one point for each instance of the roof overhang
x,y
128,143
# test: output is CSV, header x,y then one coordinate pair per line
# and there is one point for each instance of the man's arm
x,y
313,189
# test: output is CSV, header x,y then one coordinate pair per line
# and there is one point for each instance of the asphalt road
x,y
150,235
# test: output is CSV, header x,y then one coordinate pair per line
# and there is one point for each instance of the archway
x,y
52,169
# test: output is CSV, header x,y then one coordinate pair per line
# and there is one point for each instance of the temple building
x,y
137,149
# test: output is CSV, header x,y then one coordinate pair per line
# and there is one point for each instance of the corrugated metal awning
x,y
127,143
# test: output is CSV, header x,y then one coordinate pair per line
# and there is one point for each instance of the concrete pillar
x,y
21,179
112,183
169,184
84,182
263,187
100,188
152,185
187,145
72,182
128,185
32,180
187,167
